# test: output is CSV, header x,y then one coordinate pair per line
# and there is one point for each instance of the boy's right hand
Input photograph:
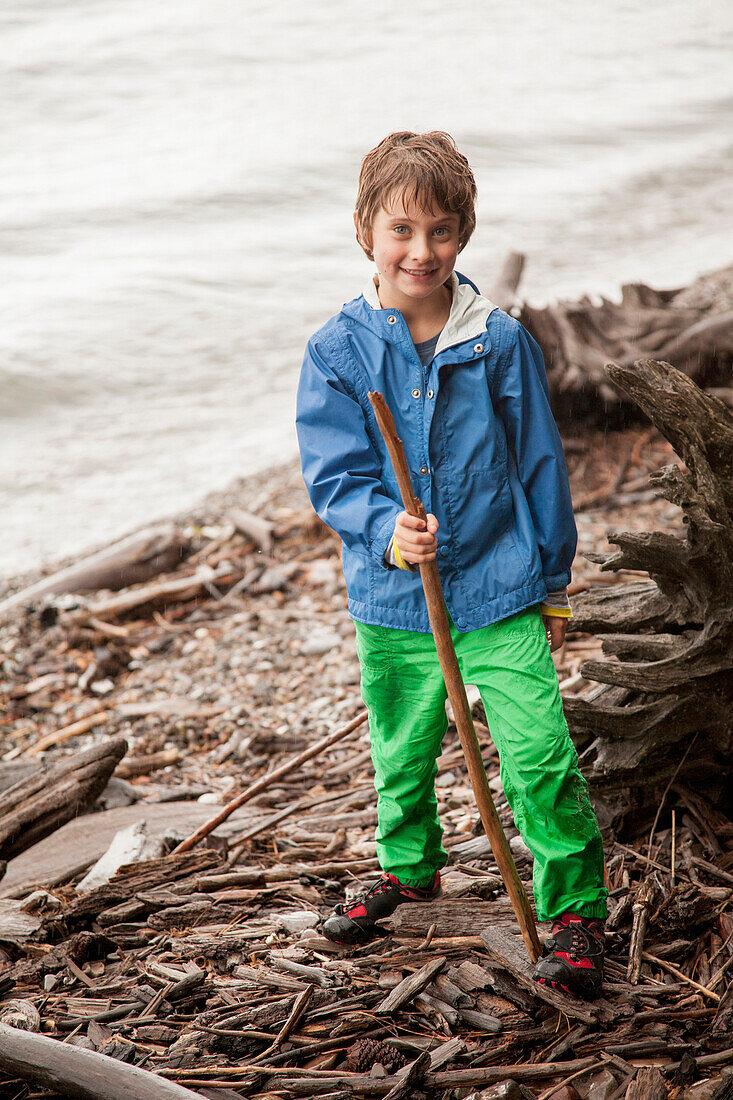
x,y
415,543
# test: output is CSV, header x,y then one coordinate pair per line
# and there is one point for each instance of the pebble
x,y
298,921
272,580
519,848
322,571
102,687
320,644
600,1087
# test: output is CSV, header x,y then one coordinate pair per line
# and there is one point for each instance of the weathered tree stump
x,y
664,711
50,797
692,326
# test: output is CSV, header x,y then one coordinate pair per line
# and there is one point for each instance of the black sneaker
x,y
572,960
355,921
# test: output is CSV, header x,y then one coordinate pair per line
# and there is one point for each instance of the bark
x,y
50,797
504,289
647,1085
693,327
664,712
80,1073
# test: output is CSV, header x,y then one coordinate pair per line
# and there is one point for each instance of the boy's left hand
x,y
555,627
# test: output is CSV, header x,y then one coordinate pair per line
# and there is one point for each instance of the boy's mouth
x,y
419,274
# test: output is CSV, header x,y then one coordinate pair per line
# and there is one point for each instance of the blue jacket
x,y
482,446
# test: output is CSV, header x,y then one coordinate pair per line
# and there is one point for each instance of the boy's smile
x,y
415,252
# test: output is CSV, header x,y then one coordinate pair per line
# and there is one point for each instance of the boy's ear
x,y
360,238
358,230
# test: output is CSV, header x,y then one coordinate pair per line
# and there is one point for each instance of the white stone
x,y
102,687
472,694
446,779
322,571
519,848
319,644
131,845
297,921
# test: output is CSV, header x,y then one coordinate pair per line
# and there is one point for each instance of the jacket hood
x,y
468,318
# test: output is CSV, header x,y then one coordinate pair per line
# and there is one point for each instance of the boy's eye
x,y
442,231
402,229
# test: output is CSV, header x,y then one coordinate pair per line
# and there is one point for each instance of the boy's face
x,y
415,251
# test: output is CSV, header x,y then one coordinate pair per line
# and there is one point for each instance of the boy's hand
x,y
415,543
555,627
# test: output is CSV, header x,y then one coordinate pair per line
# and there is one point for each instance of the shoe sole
x,y
343,930
558,987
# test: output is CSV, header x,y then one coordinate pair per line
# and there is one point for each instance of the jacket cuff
x,y
555,581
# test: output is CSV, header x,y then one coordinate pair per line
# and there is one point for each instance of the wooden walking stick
x,y
457,692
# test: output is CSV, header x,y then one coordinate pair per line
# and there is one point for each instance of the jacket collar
x,y
469,313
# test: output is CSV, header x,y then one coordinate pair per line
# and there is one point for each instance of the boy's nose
x,y
420,248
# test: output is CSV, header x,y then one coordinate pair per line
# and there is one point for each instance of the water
x,y
176,196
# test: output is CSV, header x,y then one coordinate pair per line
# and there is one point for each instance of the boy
x,y
466,386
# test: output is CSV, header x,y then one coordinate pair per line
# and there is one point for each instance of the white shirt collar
x,y
469,312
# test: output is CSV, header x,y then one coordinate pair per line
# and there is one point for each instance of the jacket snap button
x,y
430,393
478,348
423,469
391,320
416,393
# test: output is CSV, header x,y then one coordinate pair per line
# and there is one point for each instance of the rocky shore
x,y
207,967
279,655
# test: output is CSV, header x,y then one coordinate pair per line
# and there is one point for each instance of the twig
x,y
674,844
57,737
262,784
299,1006
678,974
667,790
410,987
429,938
643,858
641,907
565,1081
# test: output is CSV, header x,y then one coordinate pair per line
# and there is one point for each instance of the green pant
x,y
510,663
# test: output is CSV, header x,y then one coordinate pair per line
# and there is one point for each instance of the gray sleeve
x,y
557,600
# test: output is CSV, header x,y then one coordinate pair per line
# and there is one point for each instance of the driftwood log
x,y
132,560
80,1073
47,799
691,326
663,714
504,288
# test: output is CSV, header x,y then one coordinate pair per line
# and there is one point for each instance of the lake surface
x,y
176,197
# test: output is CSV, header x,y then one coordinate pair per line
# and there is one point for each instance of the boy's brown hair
x,y
423,168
